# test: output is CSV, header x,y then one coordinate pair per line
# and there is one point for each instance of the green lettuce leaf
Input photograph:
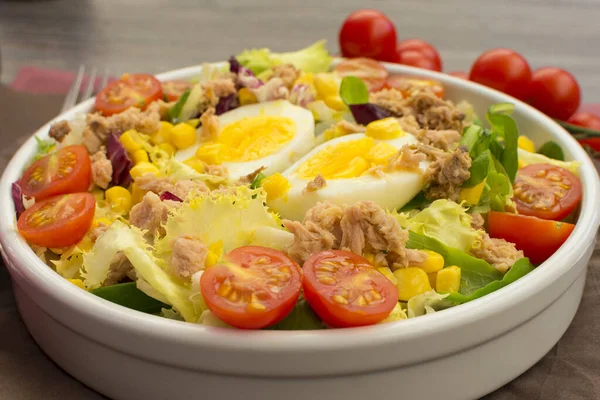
x,y
552,150
425,303
130,240
301,318
445,221
521,268
174,112
506,128
128,295
314,58
397,314
475,273
353,91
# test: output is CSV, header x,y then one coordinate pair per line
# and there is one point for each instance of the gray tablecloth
x,y
571,370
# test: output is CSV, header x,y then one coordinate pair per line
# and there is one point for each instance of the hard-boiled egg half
x,y
347,165
271,135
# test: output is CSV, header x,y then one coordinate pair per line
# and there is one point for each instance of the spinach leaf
x,y
175,112
128,295
521,268
419,201
479,169
475,273
353,91
552,150
301,318
506,128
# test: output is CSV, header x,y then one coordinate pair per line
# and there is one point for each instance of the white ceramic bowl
x,y
459,353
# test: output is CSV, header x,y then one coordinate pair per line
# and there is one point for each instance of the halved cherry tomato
x,y
253,288
369,71
173,90
546,191
67,170
405,83
459,74
504,70
423,47
345,290
555,92
58,221
537,238
585,119
132,90
367,33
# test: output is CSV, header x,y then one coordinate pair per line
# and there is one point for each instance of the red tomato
x,y
368,33
459,74
537,238
253,288
546,191
586,120
369,71
173,90
503,70
426,49
58,221
67,170
345,290
555,92
593,143
135,90
405,83
417,59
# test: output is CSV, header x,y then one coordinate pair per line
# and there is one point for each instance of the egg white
x,y
302,141
392,191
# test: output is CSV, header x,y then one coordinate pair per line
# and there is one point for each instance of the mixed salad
x,y
281,191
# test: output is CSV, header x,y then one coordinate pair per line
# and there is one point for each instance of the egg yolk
x,y
252,138
345,160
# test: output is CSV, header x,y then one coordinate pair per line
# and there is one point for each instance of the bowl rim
x,y
31,268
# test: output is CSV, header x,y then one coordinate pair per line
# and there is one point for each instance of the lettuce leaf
x,y
425,303
232,216
446,221
178,171
301,318
314,58
397,314
505,127
521,268
475,273
526,158
130,240
128,295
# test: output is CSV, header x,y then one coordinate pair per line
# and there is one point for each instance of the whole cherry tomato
x,y
504,70
368,33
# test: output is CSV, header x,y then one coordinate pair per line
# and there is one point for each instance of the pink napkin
x,y
50,81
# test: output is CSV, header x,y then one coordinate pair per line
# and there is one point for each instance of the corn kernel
x,y
140,156
448,280
246,97
326,85
472,195
130,140
137,194
78,283
104,221
119,198
210,153
195,163
183,136
143,168
432,279
412,281
215,251
193,122
433,263
385,129
526,144
335,102
307,78
275,185
164,133
388,274
167,148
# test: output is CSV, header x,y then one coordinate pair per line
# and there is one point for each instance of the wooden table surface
x,y
159,35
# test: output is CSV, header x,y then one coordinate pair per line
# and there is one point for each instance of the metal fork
x,y
74,95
